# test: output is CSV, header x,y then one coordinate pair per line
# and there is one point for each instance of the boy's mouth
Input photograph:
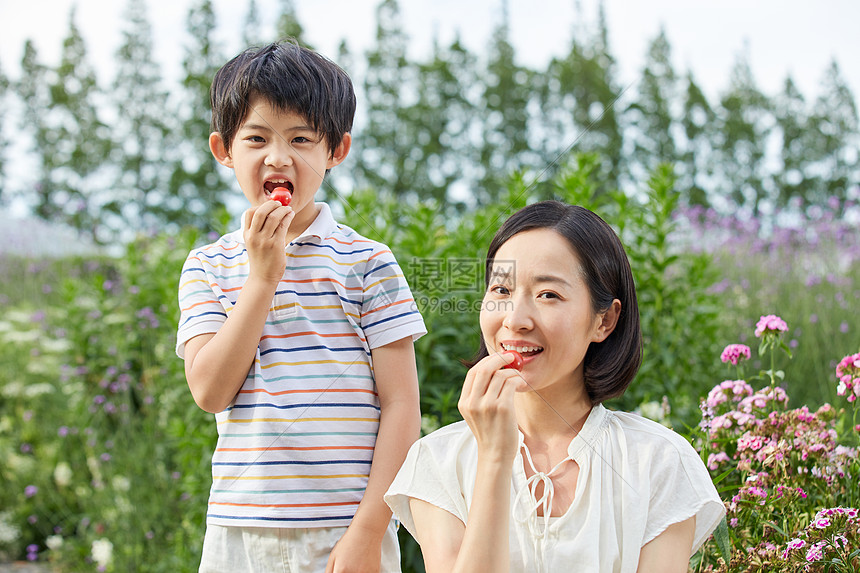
x,y
272,184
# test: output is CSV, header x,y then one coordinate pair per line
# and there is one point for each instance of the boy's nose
x,y
280,156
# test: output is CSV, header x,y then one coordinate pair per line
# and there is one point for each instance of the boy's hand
x,y
355,553
265,234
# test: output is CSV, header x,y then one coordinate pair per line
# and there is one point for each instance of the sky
x,y
780,37
797,37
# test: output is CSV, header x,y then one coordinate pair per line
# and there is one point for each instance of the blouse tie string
x,y
527,505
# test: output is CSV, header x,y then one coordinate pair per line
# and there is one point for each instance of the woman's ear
x,y
340,152
219,150
606,321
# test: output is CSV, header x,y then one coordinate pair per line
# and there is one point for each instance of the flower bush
x,y
788,477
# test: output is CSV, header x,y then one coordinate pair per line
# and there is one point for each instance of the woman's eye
x,y
500,289
548,295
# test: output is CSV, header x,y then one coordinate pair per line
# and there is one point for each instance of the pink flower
x,y
822,523
770,323
815,553
792,545
715,459
734,353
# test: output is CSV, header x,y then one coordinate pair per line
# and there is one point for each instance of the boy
x,y
297,334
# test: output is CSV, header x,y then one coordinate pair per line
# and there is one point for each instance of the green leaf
x,y
724,544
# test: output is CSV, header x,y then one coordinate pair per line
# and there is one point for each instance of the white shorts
x,y
282,550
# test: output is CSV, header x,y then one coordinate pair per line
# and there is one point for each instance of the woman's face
x,y
538,304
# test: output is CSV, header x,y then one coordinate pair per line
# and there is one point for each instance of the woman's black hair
x,y
609,365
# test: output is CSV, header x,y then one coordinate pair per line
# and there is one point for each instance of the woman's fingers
x,y
488,379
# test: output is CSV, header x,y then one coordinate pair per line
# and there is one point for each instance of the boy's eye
x,y
303,139
255,139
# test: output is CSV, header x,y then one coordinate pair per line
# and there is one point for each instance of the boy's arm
x,y
399,426
216,365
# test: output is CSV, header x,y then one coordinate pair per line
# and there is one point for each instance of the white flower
x,y
33,390
102,551
121,483
54,542
9,532
63,474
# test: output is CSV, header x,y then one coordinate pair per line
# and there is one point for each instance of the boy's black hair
x,y
609,365
290,77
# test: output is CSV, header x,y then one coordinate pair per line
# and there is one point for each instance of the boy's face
x,y
275,148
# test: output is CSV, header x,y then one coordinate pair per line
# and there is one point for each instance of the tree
x,y
586,88
651,116
505,116
745,122
251,27
835,122
385,155
439,124
696,168
197,186
77,143
288,23
4,86
792,121
138,199
33,91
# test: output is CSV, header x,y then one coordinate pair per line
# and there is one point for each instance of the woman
x,y
540,476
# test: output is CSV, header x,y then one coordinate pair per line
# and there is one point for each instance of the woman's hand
x,y
265,235
487,405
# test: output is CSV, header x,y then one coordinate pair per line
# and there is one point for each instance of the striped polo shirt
x,y
295,447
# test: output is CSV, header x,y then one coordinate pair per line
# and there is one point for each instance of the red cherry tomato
x,y
282,195
517,363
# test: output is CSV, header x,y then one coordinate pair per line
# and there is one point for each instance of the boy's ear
x,y
219,150
340,152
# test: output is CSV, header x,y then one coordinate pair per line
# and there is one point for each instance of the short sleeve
x,y
422,476
682,488
200,310
388,311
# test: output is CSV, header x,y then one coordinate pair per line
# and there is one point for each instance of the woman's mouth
x,y
525,349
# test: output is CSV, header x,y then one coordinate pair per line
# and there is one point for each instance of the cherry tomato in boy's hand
x,y
282,195
517,363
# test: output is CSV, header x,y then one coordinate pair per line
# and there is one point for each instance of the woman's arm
x,y
449,546
669,552
487,405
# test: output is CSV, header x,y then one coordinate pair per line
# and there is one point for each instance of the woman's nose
x,y
518,315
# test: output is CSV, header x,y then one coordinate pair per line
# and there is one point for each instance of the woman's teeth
x,y
522,349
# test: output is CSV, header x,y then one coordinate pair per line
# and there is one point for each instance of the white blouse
x,y
636,478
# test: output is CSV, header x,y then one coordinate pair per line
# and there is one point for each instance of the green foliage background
x,y
120,415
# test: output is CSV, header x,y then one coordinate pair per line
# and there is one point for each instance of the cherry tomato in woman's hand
x,y
282,195
517,363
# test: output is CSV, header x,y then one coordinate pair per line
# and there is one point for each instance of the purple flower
x,y
770,323
30,491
